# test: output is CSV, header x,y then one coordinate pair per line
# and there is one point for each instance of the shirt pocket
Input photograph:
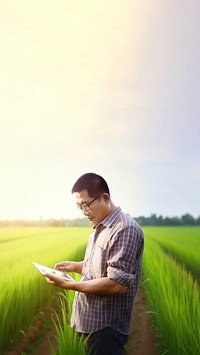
x,y
99,262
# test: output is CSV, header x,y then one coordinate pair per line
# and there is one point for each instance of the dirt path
x,y
142,340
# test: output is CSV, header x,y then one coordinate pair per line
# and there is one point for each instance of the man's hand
x,y
70,266
58,281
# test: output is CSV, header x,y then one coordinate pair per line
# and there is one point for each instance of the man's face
x,y
95,211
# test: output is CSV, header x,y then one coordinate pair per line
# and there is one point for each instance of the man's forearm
x,y
100,286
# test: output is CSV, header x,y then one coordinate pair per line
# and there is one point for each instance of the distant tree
x,y
167,221
175,221
187,219
153,220
160,220
198,220
141,220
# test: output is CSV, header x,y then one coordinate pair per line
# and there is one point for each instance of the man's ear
x,y
106,197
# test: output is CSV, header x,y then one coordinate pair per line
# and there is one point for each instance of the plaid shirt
x,y
114,250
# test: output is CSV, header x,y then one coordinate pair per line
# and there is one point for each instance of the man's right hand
x,y
69,266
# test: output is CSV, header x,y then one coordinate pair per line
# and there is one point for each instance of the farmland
x,y
24,292
170,280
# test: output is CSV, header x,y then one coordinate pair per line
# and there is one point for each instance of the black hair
x,y
93,183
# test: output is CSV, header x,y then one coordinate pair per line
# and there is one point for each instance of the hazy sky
x,y
108,86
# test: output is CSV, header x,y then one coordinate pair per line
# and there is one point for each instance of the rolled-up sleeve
x,y
123,264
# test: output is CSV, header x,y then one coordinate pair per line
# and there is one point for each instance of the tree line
x,y
154,220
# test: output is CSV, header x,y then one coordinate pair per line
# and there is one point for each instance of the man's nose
x,y
85,212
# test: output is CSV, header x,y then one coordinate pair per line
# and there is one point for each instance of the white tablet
x,y
47,270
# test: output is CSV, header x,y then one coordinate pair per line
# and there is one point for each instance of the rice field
x,y
23,291
170,278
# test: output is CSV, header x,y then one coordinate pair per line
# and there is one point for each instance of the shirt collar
x,y
108,220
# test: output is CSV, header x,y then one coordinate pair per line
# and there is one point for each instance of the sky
x,y
111,87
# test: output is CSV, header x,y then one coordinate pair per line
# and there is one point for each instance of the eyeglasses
x,y
86,206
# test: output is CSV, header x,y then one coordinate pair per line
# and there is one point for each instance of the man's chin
x,y
92,221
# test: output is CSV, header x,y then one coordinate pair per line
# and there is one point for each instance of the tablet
x,y
47,270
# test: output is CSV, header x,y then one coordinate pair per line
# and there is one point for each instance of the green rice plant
x,y
19,302
174,302
68,341
24,293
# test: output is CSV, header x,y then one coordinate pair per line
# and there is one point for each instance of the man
x,y
109,273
